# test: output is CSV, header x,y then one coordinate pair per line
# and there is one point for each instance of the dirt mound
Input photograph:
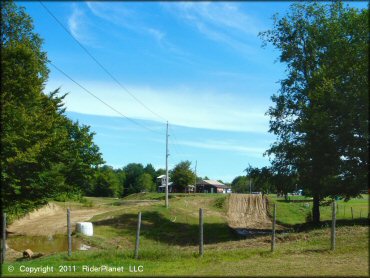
x,y
246,211
47,210
52,219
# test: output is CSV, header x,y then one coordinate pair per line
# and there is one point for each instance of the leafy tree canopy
x,y
320,114
43,153
182,176
240,184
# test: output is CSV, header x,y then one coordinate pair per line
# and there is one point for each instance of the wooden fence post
x,y
201,249
69,232
3,249
344,214
333,226
273,230
137,236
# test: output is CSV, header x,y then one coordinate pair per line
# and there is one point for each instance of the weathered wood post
x,y
3,246
344,213
273,230
333,226
69,232
201,249
137,236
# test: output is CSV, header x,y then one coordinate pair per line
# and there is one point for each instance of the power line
x,y
100,64
175,149
102,101
176,143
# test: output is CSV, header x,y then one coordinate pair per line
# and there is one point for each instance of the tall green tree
x,y
240,184
80,156
160,172
320,115
182,176
40,147
133,172
24,109
106,183
149,169
146,183
121,175
261,179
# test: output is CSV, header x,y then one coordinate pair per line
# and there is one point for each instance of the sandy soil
x,y
52,219
248,212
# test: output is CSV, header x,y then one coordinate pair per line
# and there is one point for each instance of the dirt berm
x,y
52,219
248,211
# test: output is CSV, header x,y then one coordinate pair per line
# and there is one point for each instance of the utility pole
x,y
167,155
195,182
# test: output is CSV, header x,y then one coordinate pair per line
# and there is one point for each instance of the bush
x,y
86,202
219,202
68,196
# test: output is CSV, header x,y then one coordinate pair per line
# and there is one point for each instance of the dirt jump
x,y
248,212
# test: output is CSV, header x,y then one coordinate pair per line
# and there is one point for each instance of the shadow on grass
x,y
156,227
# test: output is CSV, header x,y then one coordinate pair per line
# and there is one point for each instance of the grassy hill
x,y
169,241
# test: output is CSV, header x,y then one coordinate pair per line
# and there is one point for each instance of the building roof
x,y
161,176
213,183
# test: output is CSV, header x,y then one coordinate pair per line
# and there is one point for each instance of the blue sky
x,y
198,65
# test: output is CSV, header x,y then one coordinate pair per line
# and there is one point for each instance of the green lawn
x,y
169,242
298,209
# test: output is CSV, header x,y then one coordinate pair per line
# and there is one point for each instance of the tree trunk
x,y
316,209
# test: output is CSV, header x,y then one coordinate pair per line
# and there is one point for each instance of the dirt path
x,y
246,211
52,219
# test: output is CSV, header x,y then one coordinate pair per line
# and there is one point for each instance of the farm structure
x,y
202,186
212,186
161,183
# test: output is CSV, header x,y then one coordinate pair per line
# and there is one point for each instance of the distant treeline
x,y
133,178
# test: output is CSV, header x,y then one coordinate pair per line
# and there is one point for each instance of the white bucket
x,y
85,228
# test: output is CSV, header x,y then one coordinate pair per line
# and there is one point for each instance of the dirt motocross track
x,y
248,211
52,219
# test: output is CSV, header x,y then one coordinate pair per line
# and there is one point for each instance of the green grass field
x,y
169,242
298,208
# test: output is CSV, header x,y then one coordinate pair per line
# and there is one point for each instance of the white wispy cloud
x,y
79,26
115,13
157,34
127,16
221,22
223,15
183,106
124,16
118,127
225,146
